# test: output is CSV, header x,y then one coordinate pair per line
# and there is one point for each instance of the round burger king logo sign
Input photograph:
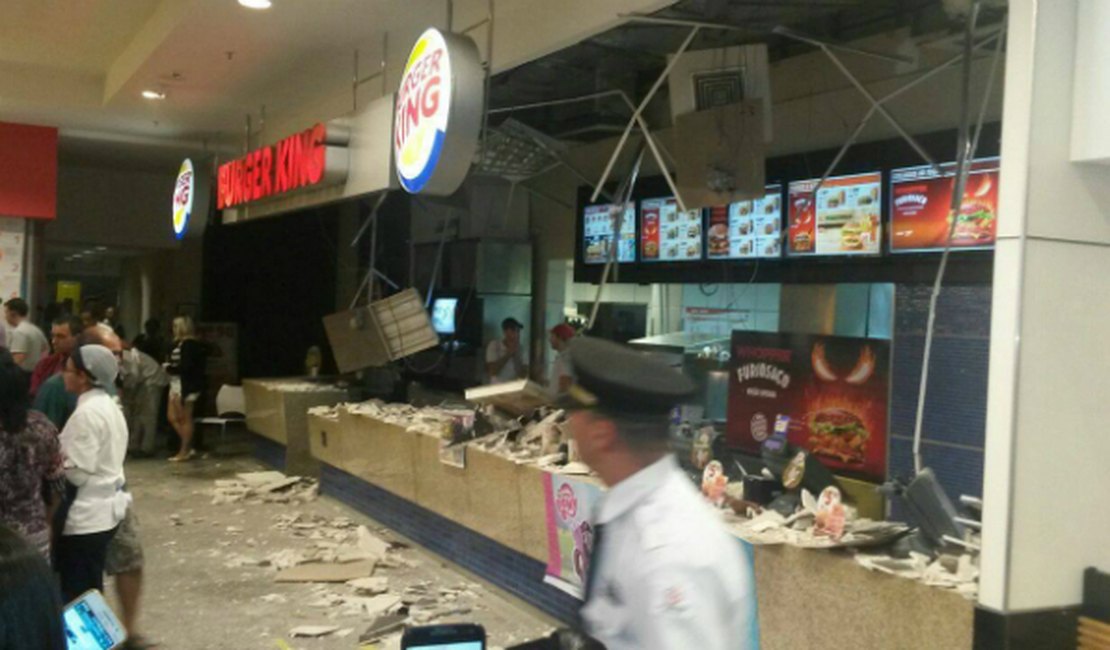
x,y
183,198
438,113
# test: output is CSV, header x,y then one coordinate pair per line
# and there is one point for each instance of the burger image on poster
x,y
438,115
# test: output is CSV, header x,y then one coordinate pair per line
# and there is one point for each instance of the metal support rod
x,y
881,110
439,260
625,194
366,279
804,38
354,84
385,58
681,22
247,134
964,157
489,77
639,110
450,14
373,212
886,98
473,27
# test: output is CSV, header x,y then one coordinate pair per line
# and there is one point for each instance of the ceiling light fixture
x,y
101,248
256,4
153,94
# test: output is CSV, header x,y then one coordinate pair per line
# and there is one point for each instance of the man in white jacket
x,y
94,442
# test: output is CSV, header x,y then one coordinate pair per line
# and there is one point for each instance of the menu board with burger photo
x,y
746,229
668,235
597,232
921,207
844,216
833,390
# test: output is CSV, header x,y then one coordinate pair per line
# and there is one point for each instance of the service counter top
x,y
277,409
807,598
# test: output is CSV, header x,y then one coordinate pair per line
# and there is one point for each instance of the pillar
x,y
1047,446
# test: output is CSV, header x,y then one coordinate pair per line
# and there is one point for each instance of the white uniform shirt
x,y
560,368
512,370
669,576
94,442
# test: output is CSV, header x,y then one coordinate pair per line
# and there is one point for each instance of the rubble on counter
x,y
286,386
770,528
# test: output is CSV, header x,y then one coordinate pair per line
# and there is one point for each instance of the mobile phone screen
x,y
91,625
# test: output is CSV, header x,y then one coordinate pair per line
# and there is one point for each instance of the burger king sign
x,y
438,114
183,193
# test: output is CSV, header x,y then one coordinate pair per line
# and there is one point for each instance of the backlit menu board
x,y
597,232
921,203
746,229
844,217
667,235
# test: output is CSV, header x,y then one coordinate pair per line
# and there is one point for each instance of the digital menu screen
x,y
667,235
746,229
844,217
597,232
921,205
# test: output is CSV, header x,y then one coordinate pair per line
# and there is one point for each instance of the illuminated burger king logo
x,y
438,114
183,198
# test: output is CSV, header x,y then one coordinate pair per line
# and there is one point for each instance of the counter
x,y
807,598
277,409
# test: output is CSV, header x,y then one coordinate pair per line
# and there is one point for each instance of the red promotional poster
x,y
921,205
649,232
834,389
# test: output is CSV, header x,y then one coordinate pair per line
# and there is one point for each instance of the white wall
x,y
1046,442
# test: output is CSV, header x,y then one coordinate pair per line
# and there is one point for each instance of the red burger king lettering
x,y
295,162
419,95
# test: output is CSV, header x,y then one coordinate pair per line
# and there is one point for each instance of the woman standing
x,y
94,442
187,382
30,460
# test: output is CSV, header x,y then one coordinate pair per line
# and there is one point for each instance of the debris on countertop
x,y
956,573
295,386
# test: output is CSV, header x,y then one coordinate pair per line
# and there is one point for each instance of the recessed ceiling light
x,y
101,248
153,94
256,4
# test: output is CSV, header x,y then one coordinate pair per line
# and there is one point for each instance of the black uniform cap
x,y
614,377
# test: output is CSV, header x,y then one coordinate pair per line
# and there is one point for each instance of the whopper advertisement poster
x,y
834,390
746,229
921,207
843,217
668,235
597,233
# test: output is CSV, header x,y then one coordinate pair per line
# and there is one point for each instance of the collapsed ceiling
x,y
630,57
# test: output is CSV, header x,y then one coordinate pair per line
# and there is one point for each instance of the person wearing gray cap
x,y
94,442
664,572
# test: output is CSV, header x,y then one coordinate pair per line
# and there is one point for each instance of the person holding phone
x,y
30,607
664,572
94,442
504,359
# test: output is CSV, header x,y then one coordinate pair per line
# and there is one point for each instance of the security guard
x,y
665,574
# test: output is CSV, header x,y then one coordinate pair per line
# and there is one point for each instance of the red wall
x,y
28,171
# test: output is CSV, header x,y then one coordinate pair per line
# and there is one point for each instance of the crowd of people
x,y
72,408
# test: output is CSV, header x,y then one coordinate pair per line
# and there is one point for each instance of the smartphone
x,y
90,624
444,637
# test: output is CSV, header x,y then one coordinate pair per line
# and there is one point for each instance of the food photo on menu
x,y
597,233
921,207
746,229
667,234
843,217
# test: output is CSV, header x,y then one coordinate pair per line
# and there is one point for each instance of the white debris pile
x,y
771,528
264,487
328,412
300,386
957,573
427,420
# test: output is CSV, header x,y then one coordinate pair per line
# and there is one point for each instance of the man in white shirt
x,y
664,573
94,442
504,359
26,342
